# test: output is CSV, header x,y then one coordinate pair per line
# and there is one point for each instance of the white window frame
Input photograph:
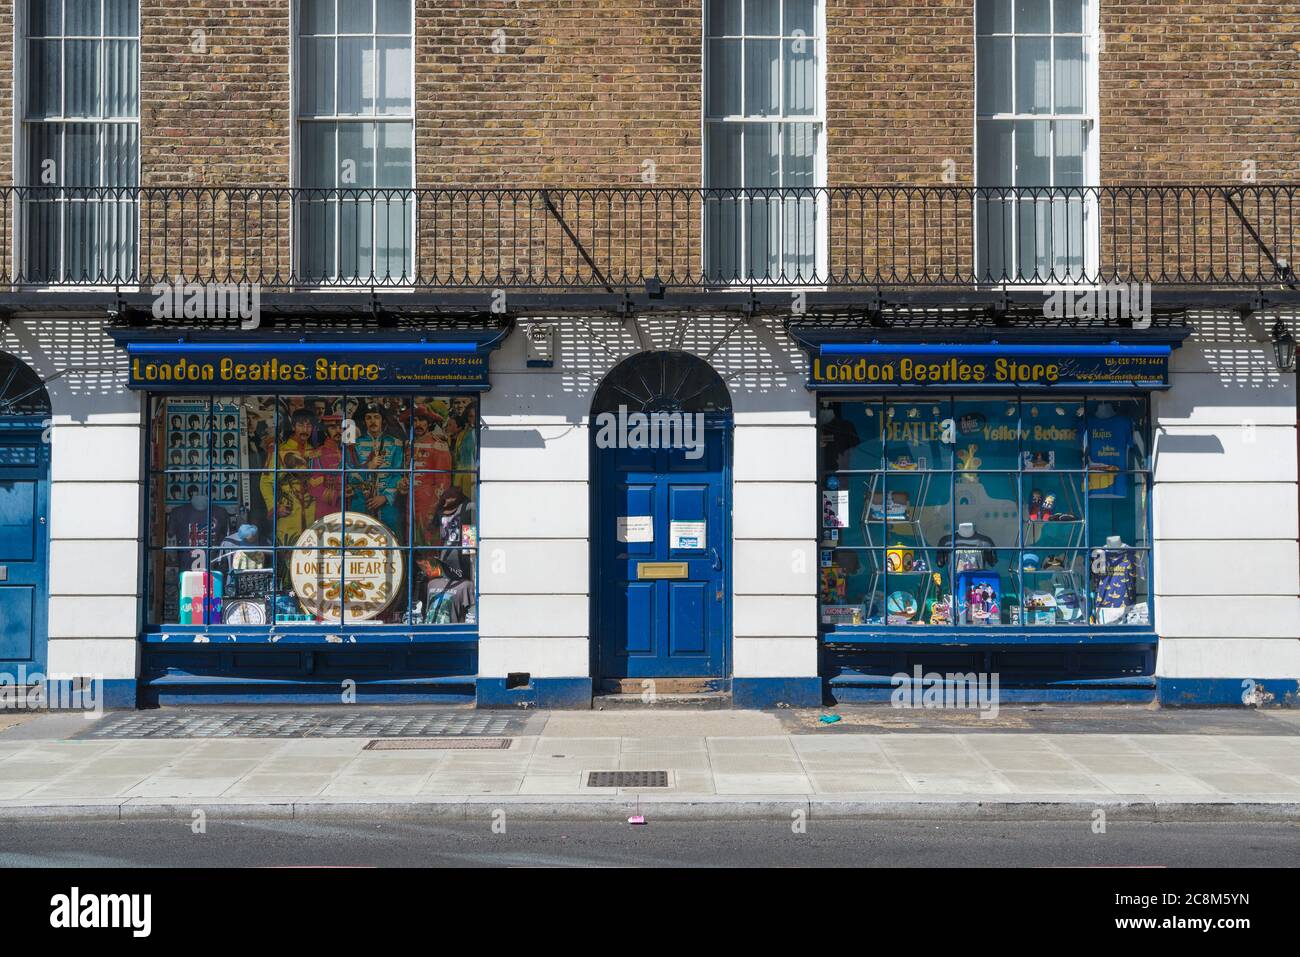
x,y
1090,117
296,153
23,145
817,119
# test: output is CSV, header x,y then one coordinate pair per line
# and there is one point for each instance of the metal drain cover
x,y
627,779
438,744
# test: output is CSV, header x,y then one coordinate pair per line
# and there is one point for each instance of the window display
x,y
978,512
301,510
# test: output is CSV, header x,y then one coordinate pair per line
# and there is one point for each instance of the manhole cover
x,y
438,744
627,779
303,724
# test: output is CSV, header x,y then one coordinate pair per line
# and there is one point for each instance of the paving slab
x,y
690,724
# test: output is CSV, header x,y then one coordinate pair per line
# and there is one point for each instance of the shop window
x,y
975,512
318,510
81,139
356,147
1035,107
763,139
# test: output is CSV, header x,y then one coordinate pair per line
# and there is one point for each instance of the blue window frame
x,y
312,514
985,516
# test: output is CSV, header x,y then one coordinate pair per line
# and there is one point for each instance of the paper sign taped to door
x,y
635,528
686,534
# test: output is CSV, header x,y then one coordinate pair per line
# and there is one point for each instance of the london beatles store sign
x,y
304,366
857,366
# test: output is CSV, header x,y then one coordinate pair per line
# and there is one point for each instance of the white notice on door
x,y
686,534
635,528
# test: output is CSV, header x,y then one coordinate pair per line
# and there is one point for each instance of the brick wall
x,y
215,112
900,90
1191,89
583,93
586,91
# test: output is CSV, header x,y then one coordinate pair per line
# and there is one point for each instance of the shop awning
x,y
857,365
456,362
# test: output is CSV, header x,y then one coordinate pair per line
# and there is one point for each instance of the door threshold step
x,y
660,685
700,701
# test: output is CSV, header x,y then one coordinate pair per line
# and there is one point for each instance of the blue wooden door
x,y
662,579
24,511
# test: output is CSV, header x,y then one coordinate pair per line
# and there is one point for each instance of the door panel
x,y
17,530
17,638
639,617
687,617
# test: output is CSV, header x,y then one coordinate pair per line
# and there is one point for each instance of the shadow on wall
x,y
1240,354
84,370
762,367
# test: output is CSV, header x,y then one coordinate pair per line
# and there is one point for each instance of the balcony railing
x,y
620,239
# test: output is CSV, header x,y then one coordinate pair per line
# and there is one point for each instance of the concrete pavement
x,y
720,764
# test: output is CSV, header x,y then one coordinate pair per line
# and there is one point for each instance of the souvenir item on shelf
x,y
900,559
1069,604
1138,615
1053,563
1110,439
900,607
835,508
972,551
979,597
244,611
834,585
896,509
841,614
1029,562
251,583
940,608
904,463
287,611
1040,608
1037,461
1035,505
200,598
920,565
1114,579
1049,506
1064,517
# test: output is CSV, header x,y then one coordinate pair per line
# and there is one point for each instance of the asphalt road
x,y
705,844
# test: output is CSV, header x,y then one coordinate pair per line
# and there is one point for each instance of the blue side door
x,y
24,510
664,541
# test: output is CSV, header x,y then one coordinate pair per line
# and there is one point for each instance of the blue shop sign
x,y
297,366
883,366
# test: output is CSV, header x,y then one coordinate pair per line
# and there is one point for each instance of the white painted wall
x,y
94,496
1227,564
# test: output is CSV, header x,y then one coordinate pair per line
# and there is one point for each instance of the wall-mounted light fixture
x,y
1283,347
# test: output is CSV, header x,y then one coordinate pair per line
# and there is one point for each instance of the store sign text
x,y
896,369
209,368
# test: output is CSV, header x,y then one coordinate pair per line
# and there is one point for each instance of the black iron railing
x,y
623,238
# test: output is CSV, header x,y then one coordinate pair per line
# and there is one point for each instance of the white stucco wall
x,y
94,495
1227,566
